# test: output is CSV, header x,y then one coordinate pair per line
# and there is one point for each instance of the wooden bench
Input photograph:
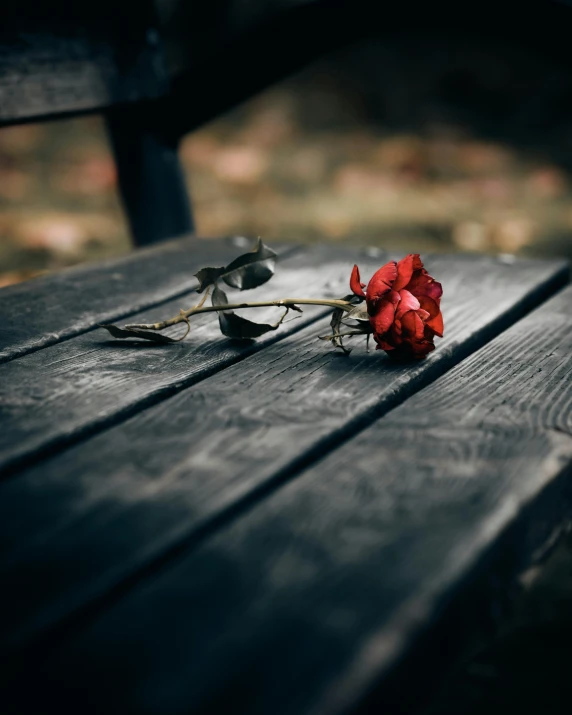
x,y
275,528
210,526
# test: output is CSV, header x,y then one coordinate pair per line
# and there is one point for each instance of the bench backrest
x,y
58,58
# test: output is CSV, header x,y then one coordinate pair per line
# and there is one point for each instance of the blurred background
x,y
419,142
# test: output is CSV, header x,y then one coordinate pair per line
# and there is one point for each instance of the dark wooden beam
x,y
60,58
151,178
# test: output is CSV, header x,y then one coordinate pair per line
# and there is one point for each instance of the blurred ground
x,y
413,143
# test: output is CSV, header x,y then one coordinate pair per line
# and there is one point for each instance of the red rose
x,y
404,307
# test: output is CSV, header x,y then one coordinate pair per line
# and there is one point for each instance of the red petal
x,y
408,302
382,320
436,325
434,290
423,284
383,345
417,339
435,321
428,334
380,284
423,348
405,269
356,286
413,327
396,331
429,305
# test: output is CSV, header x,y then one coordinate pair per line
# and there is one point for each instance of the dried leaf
x,y
125,333
358,313
336,325
338,322
208,276
251,269
248,271
235,326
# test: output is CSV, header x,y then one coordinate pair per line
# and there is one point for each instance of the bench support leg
x,y
151,179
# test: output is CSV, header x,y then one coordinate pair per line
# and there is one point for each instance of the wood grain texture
x,y
181,467
59,395
47,310
58,57
329,586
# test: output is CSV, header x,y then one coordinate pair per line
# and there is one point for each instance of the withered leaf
x,y
208,277
248,271
251,269
125,333
235,326
336,325
358,313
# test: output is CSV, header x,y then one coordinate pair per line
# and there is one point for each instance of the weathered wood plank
x,y
44,311
59,395
328,587
172,471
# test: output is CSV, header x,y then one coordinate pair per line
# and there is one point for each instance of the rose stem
x,y
282,303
